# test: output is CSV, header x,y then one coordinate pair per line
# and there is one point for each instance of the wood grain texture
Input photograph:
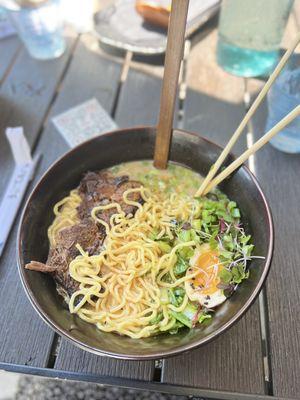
x,y
24,99
89,75
8,50
75,360
229,363
25,339
173,57
279,176
234,361
214,118
139,100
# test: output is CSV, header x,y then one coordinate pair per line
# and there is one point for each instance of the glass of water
x,y
40,27
250,32
283,97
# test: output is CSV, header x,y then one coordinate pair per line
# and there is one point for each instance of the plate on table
x,y
119,25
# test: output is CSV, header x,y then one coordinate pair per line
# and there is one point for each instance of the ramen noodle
x,y
141,256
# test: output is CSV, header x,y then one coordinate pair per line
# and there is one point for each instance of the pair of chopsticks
x,y
174,54
211,181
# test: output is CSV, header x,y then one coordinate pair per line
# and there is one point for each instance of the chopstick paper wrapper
x,y
22,175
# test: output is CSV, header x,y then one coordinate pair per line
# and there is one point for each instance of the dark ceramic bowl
x,y
105,151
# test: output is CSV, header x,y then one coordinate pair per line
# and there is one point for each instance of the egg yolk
x,y
208,278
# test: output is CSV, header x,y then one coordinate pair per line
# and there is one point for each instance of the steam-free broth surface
x,y
174,179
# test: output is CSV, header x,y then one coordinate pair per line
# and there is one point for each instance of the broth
x,y
175,179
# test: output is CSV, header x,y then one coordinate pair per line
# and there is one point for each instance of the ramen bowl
x,y
104,151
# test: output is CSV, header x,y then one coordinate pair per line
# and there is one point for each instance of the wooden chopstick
x,y
174,54
253,149
247,117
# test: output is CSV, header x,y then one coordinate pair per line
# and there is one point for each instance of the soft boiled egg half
x,y
203,287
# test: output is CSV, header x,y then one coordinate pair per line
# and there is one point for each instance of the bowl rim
x,y
156,355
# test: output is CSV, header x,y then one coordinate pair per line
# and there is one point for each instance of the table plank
x,y
25,339
229,363
279,175
234,361
72,359
139,100
100,77
213,118
24,99
8,50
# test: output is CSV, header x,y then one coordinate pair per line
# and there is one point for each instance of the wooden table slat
x,y
23,335
72,359
139,100
24,99
229,362
214,118
278,174
8,50
226,364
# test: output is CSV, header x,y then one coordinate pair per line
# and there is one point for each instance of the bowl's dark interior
x,y
102,152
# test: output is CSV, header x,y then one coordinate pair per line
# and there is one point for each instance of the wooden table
x,y
259,356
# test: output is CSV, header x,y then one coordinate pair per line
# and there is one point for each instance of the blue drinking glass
x,y
283,97
40,27
250,32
